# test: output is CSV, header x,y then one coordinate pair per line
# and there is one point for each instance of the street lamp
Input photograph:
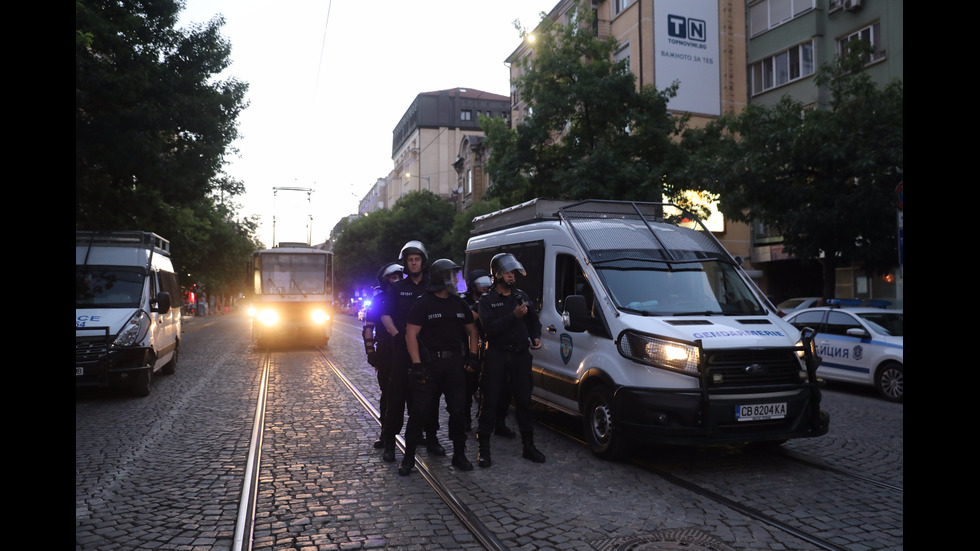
x,y
428,181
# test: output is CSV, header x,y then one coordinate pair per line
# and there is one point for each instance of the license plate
x,y
760,412
79,371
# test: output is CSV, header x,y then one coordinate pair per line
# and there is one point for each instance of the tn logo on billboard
x,y
686,28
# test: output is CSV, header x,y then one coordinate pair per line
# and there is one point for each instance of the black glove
x,y
416,373
471,363
372,359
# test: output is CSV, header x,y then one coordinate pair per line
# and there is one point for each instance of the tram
x,y
292,295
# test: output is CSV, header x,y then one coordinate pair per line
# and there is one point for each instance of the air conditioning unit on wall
x,y
852,5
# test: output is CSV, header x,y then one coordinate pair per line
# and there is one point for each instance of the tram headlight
x,y
268,316
320,317
660,353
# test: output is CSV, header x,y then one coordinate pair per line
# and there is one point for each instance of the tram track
x,y
245,524
734,505
485,536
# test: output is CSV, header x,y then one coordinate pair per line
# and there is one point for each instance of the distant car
x,y
791,305
859,345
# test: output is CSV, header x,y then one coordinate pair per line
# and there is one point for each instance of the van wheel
x,y
598,422
142,388
890,382
171,367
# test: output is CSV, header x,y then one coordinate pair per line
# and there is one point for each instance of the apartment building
x,y
426,142
728,53
787,42
698,43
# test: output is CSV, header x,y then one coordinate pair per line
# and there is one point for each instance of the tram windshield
x,y
286,274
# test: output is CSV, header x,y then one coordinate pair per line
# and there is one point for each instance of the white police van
x,y
127,309
651,330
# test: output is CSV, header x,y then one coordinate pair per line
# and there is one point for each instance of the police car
x,y
858,345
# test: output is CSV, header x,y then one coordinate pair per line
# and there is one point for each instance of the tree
x,y
823,178
365,244
152,127
592,133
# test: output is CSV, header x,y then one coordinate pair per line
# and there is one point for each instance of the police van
x,y
651,330
127,309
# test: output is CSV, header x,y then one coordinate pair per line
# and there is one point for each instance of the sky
x,y
329,80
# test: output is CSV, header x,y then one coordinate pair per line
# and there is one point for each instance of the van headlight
x,y
134,330
660,352
320,317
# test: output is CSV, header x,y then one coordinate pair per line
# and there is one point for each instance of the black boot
x,y
530,452
405,468
504,430
434,447
389,454
483,460
459,457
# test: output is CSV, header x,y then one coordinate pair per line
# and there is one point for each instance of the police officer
x,y
442,342
512,329
377,341
400,297
477,283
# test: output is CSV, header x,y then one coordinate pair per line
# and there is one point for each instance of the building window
x,y
622,5
782,68
870,35
466,115
469,181
772,13
623,54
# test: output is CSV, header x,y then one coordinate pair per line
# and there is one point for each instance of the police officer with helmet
x,y
398,300
478,282
442,342
377,341
512,330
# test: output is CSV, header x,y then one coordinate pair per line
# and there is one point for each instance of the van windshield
x,y
108,286
678,288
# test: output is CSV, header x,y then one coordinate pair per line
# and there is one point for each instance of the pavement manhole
x,y
663,540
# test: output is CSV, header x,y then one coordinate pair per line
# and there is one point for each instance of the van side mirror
x,y
576,316
163,302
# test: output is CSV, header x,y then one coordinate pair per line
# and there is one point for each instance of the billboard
x,y
686,37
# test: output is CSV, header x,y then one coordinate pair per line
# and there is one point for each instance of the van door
x,y
557,363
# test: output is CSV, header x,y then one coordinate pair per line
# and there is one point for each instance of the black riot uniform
x,y
377,341
442,342
477,283
512,327
398,300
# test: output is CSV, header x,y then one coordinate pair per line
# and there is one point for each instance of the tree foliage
x,y
152,127
824,179
591,133
365,244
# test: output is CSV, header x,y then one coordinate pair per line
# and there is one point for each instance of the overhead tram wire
x,y
323,46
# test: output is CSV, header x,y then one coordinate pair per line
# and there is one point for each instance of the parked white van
x,y
127,309
651,330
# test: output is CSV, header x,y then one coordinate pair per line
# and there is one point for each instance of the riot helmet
x,y
414,247
476,280
442,275
386,272
502,263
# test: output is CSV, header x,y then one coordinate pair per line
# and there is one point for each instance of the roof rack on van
x,y
530,211
139,239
